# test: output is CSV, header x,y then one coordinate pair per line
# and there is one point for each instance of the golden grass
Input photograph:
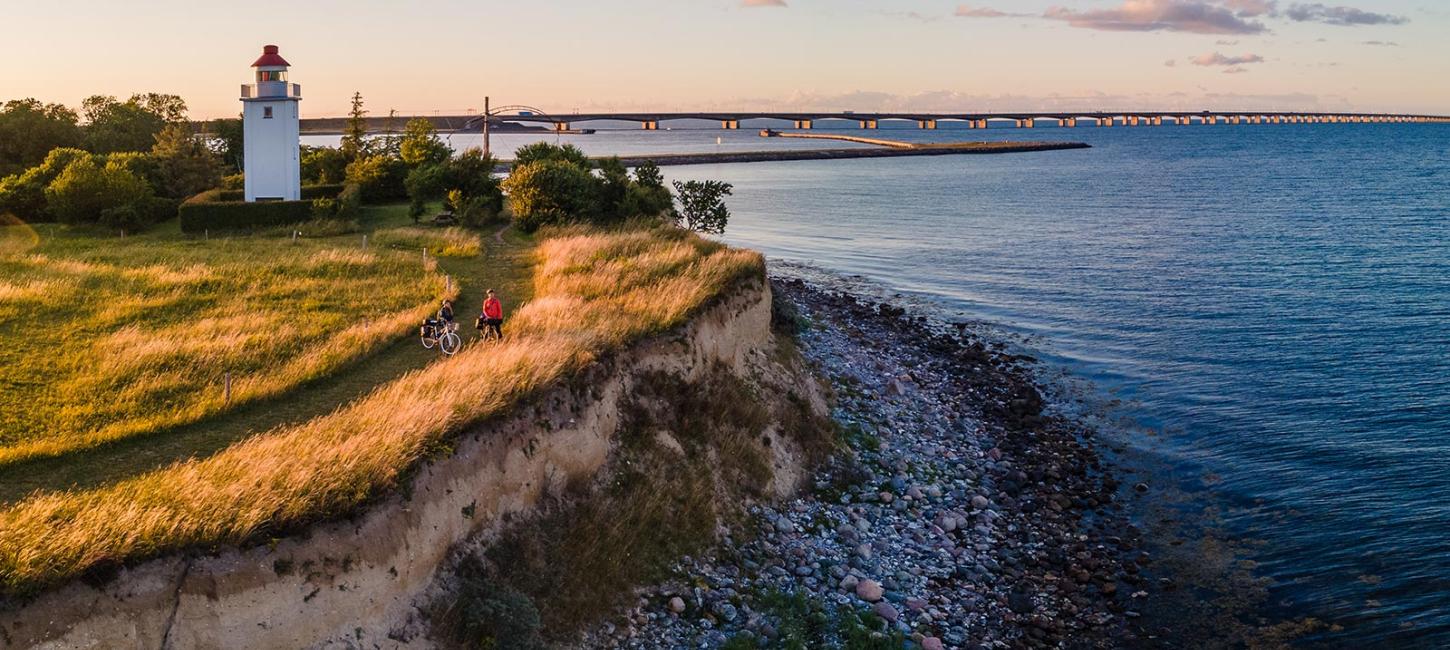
x,y
102,340
447,242
592,292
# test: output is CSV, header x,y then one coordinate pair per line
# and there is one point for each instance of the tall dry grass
x,y
592,292
448,242
106,339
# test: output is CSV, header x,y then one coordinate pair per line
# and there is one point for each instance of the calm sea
x,y
1272,303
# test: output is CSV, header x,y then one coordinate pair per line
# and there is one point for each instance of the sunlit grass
x,y
103,339
446,242
593,291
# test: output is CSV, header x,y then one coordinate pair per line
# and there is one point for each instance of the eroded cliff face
x,y
369,581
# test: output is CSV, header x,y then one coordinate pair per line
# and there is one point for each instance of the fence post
x,y
228,389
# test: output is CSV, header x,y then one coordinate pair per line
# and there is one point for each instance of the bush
x,y
492,615
234,182
382,178
550,192
84,191
324,165
542,151
702,206
349,201
23,195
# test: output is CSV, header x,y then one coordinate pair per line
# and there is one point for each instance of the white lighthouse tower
x,y
270,131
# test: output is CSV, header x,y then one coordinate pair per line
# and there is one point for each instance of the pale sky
x,y
862,55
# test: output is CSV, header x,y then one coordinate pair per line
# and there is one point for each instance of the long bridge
x,y
807,120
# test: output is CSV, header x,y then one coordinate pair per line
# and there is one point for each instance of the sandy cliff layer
x,y
362,581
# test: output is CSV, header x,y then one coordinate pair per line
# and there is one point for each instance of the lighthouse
x,y
270,131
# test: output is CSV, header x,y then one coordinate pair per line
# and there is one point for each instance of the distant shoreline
x,y
964,148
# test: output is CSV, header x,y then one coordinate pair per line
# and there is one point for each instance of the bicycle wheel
x,y
449,343
428,342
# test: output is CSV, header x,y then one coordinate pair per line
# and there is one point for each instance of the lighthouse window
x,y
271,75
266,112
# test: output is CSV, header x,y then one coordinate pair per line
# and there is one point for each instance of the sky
x,y
601,55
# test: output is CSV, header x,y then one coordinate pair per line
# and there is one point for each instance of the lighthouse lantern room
x,y
270,131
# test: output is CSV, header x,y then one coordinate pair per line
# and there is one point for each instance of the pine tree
x,y
354,137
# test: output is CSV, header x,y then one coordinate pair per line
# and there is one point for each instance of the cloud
x,y
1235,70
1382,43
762,3
964,11
1216,58
1342,16
1226,42
1194,16
1172,63
1251,8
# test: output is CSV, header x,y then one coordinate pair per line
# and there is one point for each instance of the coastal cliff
x,y
367,580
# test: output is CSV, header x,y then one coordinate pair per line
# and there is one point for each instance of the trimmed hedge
x,y
223,210
309,192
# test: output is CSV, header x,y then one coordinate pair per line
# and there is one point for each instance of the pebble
x,y
934,528
869,590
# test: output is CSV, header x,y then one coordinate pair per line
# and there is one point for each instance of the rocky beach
x,y
960,513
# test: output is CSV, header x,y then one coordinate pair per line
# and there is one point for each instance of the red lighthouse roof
x,y
270,57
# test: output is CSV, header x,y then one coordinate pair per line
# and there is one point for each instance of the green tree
x,y
227,143
185,166
355,135
647,195
540,151
323,165
23,195
550,191
85,190
421,145
131,125
29,130
382,178
425,183
702,205
613,189
472,172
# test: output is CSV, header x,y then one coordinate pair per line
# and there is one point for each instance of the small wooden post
x,y
365,241
228,388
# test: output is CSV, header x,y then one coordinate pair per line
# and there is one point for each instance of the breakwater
x,y
944,149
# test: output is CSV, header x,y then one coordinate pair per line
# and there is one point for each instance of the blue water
x,y
1274,299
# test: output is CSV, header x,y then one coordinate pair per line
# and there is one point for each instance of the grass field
x,y
103,338
591,292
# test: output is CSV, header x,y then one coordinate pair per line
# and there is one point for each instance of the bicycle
x,y
485,332
444,335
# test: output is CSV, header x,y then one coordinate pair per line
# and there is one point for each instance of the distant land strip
x,y
935,149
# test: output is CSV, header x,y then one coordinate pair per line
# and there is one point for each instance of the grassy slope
x,y
503,265
591,292
103,339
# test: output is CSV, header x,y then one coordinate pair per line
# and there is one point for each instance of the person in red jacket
x,y
492,316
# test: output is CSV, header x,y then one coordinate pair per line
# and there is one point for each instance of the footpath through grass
x,y
591,292
478,262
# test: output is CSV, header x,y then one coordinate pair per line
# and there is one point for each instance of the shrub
x,y
84,191
324,208
550,192
424,183
323,165
702,206
349,201
541,151
492,615
184,165
23,195
205,212
234,182
381,178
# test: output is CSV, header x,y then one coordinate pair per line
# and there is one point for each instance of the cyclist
x,y
445,313
492,315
